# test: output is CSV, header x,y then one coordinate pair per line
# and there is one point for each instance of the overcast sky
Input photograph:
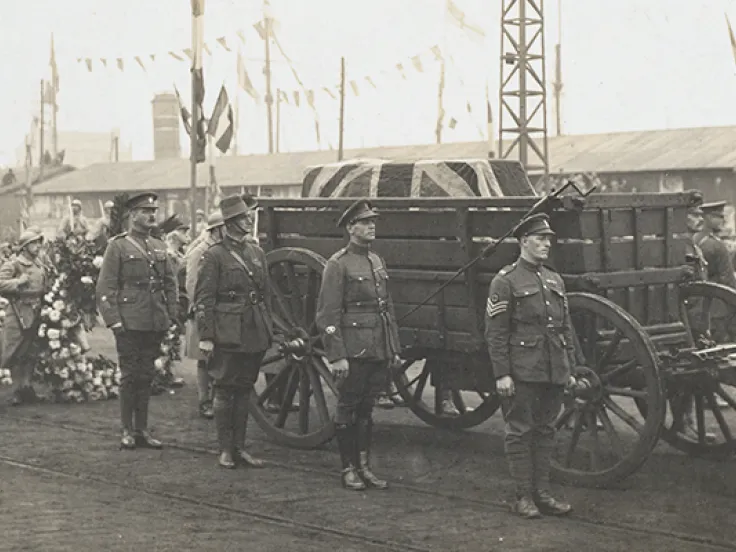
x,y
627,65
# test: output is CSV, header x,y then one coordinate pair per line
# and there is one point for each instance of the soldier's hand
x,y
23,280
206,347
340,369
505,386
117,328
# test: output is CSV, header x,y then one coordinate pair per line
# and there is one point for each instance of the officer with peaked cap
x,y
232,305
356,317
137,298
23,280
530,341
213,234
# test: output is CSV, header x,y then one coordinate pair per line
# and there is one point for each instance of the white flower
x,y
49,297
86,280
62,293
97,262
58,305
54,315
81,366
64,353
62,277
94,396
117,377
78,379
107,382
56,286
45,311
75,349
54,344
114,391
68,384
64,374
42,330
97,381
165,349
160,363
53,334
2,314
66,324
88,376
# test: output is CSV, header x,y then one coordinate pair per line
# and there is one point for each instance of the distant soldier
x,y
137,298
356,317
74,224
100,231
232,304
531,345
23,281
201,222
213,234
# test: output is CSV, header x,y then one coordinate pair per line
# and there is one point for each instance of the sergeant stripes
x,y
494,309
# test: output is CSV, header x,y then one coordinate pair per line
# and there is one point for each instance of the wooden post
x,y
40,173
278,120
197,33
341,132
440,108
267,73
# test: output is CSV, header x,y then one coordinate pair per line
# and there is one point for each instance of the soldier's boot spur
x,y
364,430
550,506
526,508
127,440
350,478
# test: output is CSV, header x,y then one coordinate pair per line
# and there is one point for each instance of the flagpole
x,y
40,173
208,193
440,108
278,120
54,81
267,71
341,131
197,12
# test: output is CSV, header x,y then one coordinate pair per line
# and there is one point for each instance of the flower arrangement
x,y
170,352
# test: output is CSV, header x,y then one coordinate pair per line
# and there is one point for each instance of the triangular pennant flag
x,y
241,36
354,86
731,37
120,64
104,62
437,52
222,42
177,56
453,123
296,98
140,62
458,17
88,61
244,80
282,97
221,122
207,49
369,80
310,98
417,62
189,53
400,68
469,107
260,29
316,131
79,60
153,57
329,92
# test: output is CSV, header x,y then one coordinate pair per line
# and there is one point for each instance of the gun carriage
x,y
657,341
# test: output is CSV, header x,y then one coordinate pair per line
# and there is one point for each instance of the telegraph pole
x,y
341,132
278,120
440,99
267,73
557,84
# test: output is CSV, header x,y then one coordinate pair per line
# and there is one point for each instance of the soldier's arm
x,y
9,285
574,351
329,310
107,286
498,325
394,326
193,260
267,291
171,289
205,295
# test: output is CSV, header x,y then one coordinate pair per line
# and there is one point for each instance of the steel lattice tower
x,y
522,125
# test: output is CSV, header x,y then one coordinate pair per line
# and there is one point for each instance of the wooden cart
x,y
652,335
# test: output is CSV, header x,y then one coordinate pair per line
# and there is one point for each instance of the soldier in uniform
x,y
74,224
356,318
23,281
137,298
720,268
531,345
214,232
232,303
100,233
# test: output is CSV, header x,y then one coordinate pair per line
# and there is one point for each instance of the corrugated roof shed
x,y
658,150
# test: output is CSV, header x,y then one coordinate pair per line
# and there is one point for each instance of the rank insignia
x,y
329,330
494,298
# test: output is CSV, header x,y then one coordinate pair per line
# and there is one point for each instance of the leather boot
x,y
526,508
345,435
223,410
364,429
240,425
550,506
127,406
542,457
143,437
520,465
127,440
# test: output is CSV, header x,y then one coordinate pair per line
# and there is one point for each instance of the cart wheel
x,y
295,364
602,435
701,418
430,404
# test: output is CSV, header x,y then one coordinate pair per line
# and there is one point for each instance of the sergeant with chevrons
x,y
137,299
356,317
531,345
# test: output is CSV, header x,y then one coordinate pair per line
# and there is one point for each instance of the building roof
x,y
658,150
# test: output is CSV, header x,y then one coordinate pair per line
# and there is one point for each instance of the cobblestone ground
x,y
66,486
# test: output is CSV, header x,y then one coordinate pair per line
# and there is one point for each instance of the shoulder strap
x,y
138,246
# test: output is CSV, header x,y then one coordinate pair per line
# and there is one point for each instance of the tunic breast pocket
x,y
528,305
134,268
556,306
359,286
359,333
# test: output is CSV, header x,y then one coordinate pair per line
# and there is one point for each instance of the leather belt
x,y
232,296
153,286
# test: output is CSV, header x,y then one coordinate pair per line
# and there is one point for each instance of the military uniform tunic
x,y
720,268
355,314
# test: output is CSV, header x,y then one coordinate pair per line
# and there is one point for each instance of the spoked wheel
x,y
701,418
431,404
296,395
602,436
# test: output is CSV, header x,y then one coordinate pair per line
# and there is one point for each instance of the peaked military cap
x,y
145,199
360,210
714,207
214,220
233,206
535,224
